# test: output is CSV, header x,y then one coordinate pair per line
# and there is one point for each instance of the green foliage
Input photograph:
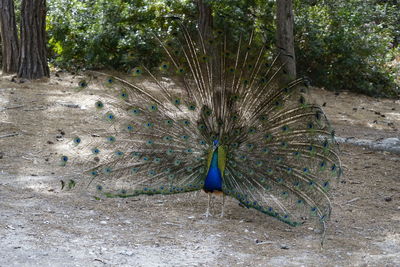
x,y
339,44
108,34
347,45
239,17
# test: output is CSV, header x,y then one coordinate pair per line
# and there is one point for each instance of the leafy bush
x,y
108,34
340,44
347,45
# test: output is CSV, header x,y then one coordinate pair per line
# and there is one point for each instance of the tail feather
x,y
280,150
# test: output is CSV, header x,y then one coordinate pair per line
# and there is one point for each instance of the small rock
x,y
103,222
283,246
127,253
10,227
388,199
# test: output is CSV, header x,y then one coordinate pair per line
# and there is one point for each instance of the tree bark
x,y
285,38
9,37
205,22
32,63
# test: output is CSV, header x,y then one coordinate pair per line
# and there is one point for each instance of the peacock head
x,y
215,144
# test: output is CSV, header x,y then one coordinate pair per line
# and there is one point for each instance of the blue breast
x,y
213,180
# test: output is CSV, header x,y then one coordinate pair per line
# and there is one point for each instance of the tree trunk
x,y
285,38
32,63
205,22
9,37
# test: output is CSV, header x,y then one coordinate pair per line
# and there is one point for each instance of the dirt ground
x,y
41,225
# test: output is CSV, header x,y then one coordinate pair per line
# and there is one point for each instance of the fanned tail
x,y
281,157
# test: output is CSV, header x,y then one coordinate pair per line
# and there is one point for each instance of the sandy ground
x,y
41,225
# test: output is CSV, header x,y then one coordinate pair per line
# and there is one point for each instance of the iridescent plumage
x,y
216,115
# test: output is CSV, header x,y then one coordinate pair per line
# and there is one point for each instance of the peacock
x,y
217,115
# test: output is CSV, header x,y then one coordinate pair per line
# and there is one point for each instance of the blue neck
x,y
213,180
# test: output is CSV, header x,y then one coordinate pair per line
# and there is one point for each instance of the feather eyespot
x,y
177,101
77,140
153,108
107,170
99,105
192,107
110,117
82,84
137,72
252,130
149,124
111,139
180,71
164,66
135,111
64,160
124,95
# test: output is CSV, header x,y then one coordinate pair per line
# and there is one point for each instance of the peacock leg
x,y
208,206
223,205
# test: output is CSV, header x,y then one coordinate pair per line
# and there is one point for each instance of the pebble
x,y
388,199
126,253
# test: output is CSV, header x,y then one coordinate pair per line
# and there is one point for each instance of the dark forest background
x,y
339,44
